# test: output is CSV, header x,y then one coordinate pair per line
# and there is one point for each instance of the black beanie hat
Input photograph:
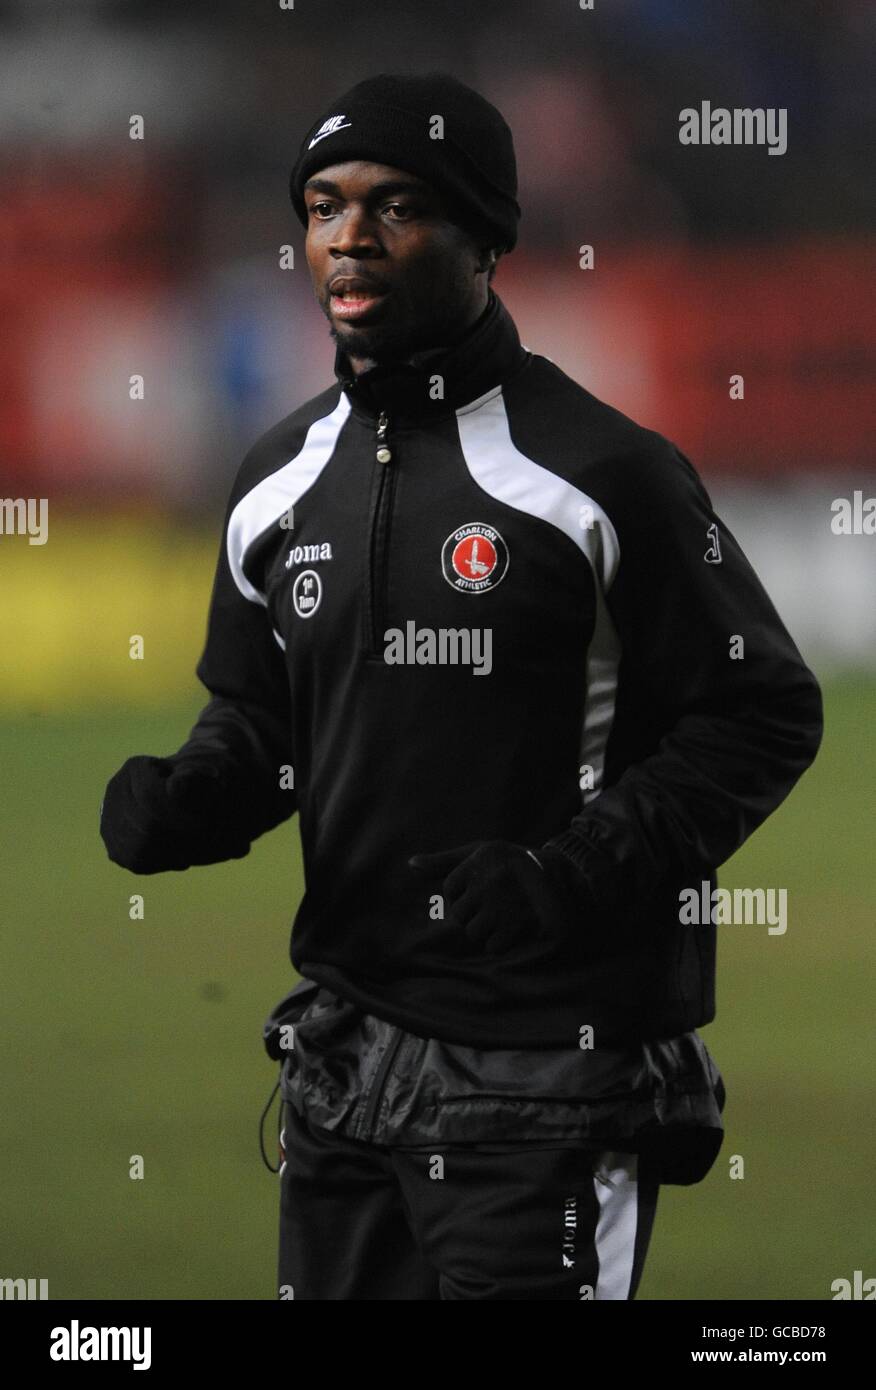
x,y
390,119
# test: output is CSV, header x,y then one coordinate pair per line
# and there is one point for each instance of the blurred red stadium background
x,y
162,257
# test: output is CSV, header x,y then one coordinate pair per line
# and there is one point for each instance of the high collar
x,y
485,355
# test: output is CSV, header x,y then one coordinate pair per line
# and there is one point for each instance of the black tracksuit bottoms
x,y
492,1221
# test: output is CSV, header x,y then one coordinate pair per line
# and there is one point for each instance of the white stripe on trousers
x,y
615,1182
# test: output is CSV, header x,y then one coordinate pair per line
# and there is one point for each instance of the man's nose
x,y
355,234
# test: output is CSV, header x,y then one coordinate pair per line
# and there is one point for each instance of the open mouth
x,y
354,301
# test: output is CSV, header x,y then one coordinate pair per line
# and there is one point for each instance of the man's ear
x,y
487,258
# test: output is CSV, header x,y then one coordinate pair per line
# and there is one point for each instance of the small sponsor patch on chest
x,y
308,554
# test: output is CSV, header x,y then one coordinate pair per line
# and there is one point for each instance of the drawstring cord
x,y
264,1116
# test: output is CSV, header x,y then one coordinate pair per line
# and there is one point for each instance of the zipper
x,y
375,1095
378,562
384,453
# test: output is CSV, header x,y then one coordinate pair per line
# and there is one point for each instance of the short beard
x,y
376,344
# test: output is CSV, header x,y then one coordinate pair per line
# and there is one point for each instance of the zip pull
x,y
383,453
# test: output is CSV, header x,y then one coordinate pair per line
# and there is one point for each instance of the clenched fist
x,y
504,895
160,814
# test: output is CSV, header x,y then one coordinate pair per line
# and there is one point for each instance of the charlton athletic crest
x,y
474,558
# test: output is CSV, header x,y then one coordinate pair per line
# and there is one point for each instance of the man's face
x,y
392,273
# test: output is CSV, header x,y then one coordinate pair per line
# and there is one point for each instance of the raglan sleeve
x,y
705,648
245,730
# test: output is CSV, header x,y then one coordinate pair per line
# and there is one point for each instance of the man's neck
x,y
360,364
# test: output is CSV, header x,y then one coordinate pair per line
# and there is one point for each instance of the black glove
x,y
504,894
160,814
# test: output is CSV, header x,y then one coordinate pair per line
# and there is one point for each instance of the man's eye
x,y
315,208
401,210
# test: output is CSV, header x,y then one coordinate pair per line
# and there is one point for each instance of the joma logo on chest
x,y
306,554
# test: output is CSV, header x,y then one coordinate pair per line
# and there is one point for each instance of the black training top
x,y
462,599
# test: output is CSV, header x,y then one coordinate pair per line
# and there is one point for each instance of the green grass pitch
x,y
123,1037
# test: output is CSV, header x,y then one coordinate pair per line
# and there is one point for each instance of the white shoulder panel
x,y
497,465
268,500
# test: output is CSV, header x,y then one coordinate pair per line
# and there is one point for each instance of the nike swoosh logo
x,y
328,132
